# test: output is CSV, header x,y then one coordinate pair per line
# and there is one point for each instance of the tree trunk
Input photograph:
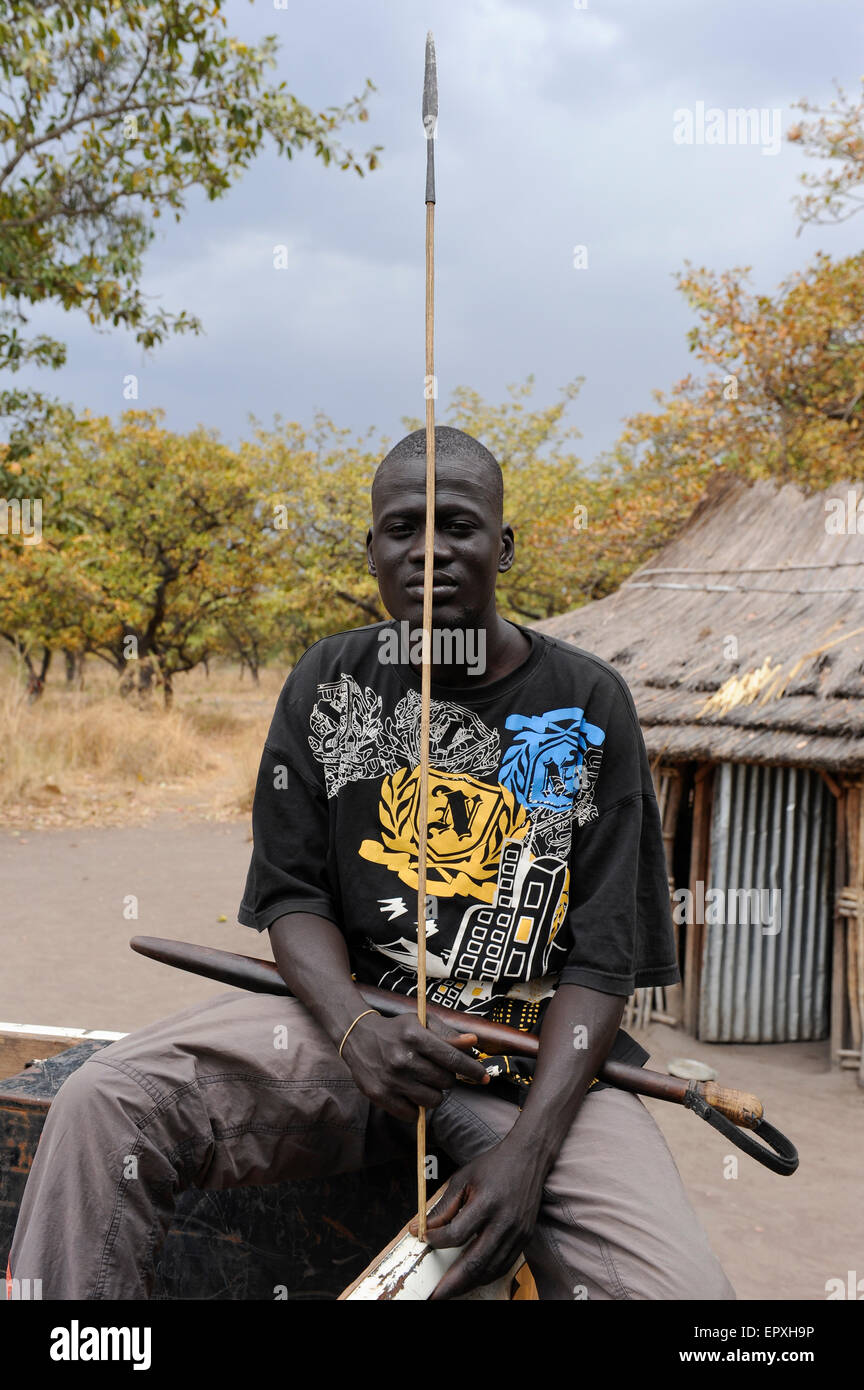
x,y
36,681
140,678
74,668
146,678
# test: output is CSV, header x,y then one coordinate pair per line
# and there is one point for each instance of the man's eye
x,y
462,528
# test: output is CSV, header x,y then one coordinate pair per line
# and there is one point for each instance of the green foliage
x,y
317,502
110,113
151,543
543,482
195,549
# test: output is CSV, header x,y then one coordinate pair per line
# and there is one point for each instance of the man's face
x,y
471,545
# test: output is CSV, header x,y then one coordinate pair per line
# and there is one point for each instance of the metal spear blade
x,y
430,89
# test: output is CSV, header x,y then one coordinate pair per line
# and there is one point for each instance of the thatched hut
x,y
743,644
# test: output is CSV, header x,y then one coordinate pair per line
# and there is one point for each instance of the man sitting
x,y
548,905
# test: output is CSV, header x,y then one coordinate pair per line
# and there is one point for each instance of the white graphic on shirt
x,y
347,736
350,739
392,907
584,809
459,741
514,936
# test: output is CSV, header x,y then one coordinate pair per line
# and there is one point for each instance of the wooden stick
x,y
430,113
859,927
426,693
262,977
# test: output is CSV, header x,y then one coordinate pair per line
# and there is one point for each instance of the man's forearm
x,y
579,1028
398,1065
313,961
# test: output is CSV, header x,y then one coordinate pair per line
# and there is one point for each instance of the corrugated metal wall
x,y
771,827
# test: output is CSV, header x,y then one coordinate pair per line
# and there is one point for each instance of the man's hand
x,y
493,1203
494,1200
401,1066
396,1063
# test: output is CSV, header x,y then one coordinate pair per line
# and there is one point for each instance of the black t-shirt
x,y
545,860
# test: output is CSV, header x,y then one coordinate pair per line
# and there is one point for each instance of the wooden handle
x,y
262,976
742,1108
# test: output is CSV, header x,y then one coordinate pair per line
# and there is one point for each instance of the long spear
x,y
430,118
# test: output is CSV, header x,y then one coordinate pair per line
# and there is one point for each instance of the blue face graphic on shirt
x,y
543,765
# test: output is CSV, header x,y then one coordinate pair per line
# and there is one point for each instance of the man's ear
x,y
508,549
369,561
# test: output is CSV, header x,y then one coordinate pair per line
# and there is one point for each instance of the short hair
x,y
450,443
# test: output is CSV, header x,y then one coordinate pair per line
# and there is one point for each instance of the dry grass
x,y
91,757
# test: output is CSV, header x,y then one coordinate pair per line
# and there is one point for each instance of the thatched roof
x,y
755,564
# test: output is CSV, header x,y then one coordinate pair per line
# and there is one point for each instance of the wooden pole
x,y
838,946
430,115
699,856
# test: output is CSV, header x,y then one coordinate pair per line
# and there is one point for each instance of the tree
x,y
544,485
318,496
39,609
156,546
783,396
782,392
160,550
317,506
109,114
834,134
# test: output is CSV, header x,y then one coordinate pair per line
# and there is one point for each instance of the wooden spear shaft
x,y
430,114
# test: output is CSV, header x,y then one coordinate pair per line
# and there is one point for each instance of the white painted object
x,y
41,1031
407,1270
411,1270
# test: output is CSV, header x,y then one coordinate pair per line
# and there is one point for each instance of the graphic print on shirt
x,y
459,741
552,767
351,741
469,821
347,734
499,835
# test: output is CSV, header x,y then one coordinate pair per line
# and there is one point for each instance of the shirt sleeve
x,y
619,914
291,868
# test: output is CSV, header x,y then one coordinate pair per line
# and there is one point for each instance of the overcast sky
x,y
556,130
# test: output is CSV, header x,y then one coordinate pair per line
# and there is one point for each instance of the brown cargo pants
x,y
248,1089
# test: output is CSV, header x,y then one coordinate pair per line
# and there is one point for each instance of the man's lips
x,y
442,585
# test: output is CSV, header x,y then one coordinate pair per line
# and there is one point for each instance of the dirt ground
x,y
65,960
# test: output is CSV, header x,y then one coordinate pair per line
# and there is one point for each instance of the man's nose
x,y
417,549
